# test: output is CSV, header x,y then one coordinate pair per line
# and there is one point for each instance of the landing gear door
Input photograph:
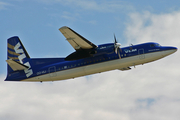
x,y
141,54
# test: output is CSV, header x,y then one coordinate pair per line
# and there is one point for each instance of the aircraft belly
x,y
60,75
152,57
71,73
110,65
99,67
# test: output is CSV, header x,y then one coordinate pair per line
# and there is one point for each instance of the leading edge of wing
x,y
77,41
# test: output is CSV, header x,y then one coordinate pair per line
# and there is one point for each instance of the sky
x,y
147,92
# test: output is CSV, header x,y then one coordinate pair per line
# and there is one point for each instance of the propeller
x,y
117,47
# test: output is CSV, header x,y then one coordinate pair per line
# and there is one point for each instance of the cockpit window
x,y
152,45
158,45
155,45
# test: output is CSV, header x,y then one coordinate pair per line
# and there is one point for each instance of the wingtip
x,y
64,27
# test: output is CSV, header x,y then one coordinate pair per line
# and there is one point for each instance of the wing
x,y
76,40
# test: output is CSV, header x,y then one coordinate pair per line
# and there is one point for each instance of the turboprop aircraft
x,y
87,59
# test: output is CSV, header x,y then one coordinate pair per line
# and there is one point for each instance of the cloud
x,y
93,22
163,76
3,5
148,91
101,6
152,27
70,16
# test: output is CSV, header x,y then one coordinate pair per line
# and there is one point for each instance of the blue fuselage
x,y
103,58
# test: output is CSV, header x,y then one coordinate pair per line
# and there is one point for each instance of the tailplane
x,y
17,58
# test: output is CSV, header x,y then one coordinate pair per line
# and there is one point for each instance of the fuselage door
x,y
52,71
141,53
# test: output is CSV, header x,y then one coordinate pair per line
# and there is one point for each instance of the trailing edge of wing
x,y
76,40
16,65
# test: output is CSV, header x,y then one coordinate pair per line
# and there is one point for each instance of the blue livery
x,y
87,59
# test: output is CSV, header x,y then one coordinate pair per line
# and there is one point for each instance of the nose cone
x,y
169,50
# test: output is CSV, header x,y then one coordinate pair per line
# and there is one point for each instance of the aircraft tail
x,y
17,59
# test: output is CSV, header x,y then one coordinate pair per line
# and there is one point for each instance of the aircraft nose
x,y
173,49
169,50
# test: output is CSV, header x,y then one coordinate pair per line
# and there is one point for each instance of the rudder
x,y
17,56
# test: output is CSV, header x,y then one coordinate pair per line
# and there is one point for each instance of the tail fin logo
x,y
22,55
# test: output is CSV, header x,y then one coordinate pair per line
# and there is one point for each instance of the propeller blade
x,y
117,47
120,49
115,39
119,54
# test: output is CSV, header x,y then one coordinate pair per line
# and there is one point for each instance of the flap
x,y
76,40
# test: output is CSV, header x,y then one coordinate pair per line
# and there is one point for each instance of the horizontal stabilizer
x,y
16,65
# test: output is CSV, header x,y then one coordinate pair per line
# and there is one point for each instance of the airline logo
x,y
129,51
17,49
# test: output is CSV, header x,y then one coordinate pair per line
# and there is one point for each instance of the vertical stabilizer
x,y
17,58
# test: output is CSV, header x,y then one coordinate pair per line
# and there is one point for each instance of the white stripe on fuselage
x,y
101,67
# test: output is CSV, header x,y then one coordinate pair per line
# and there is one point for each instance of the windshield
x,y
155,45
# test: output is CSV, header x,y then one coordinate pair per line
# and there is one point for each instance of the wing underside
x,y
76,40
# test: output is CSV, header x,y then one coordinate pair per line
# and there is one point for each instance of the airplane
x,y
87,59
